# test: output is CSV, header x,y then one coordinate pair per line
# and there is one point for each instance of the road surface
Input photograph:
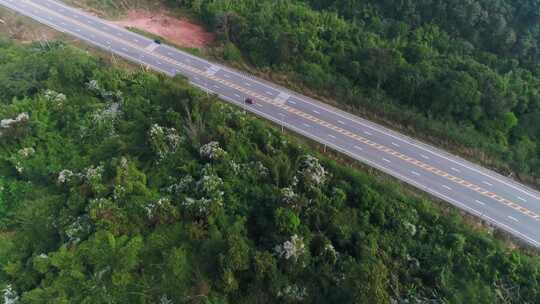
x,y
496,199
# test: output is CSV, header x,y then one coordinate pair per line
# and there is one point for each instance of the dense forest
x,y
462,73
130,187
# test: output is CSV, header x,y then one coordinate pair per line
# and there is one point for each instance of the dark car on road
x,y
248,101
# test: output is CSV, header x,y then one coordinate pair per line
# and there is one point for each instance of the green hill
x,y
121,187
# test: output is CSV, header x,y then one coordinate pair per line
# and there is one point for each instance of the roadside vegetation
x,y
114,8
461,74
22,29
124,187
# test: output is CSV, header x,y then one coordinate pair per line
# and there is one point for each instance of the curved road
x,y
492,197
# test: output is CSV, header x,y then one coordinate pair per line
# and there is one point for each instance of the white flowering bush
x,y
64,176
257,168
99,203
110,96
78,230
93,85
411,228
288,195
160,208
293,293
54,97
198,207
165,300
10,296
164,141
210,185
312,172
212,151
10,123
105,117
235,167
291,249
260,168
113,110
26,152
209,189
184,184
103,121
99,210
94,174
18,159
330,252
413,262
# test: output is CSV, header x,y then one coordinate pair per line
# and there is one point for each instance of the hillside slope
x,y
135,188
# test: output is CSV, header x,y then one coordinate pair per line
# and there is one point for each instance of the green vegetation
x,y
122,187
461,73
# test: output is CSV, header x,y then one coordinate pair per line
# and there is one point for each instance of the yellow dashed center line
x,y
289,109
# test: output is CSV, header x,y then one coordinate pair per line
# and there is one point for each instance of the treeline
x,y
122,187
506,28
465,72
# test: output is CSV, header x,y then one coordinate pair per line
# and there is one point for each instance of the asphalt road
x,y
481,192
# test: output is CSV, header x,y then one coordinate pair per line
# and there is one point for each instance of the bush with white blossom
x,y
212,151
293,293
18,160
78,230
211,185
65,176
331,253
160,208
165,300
260,169
26,152
55,97
94,174
288,195
312,172
109,96
10,296
291,249
411,228
184,184
209,189
199,207
10,123
164,141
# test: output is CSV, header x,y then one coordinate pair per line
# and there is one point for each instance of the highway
x,y
498,200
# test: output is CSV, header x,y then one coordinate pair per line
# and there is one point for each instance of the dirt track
x,y
178,31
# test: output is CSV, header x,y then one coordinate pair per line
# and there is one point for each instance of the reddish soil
x,y
179,31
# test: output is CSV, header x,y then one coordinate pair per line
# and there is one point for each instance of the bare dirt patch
x,y
179,31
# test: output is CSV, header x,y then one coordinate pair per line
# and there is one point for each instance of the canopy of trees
x,y
465,72
120,187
